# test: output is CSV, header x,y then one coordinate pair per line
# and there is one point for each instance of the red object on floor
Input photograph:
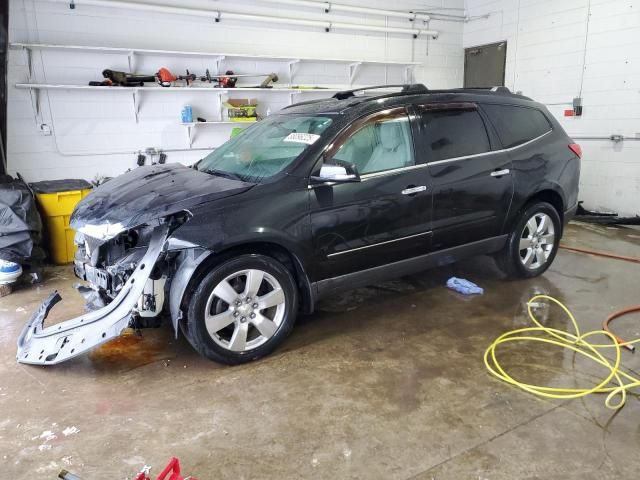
x,y
172,470
569,113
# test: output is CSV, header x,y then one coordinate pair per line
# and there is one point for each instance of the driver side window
x,y
379,145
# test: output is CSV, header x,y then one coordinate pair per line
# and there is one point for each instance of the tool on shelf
x,y
229,79
308,87
271,78
127,79
104,83
189,77
165,78
207,77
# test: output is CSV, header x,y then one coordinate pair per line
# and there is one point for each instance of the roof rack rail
x,y
406,88
497,89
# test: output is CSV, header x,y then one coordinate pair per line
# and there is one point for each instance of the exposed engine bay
x,y
107,265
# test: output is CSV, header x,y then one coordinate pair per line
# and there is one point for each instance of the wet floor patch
x,y
131,350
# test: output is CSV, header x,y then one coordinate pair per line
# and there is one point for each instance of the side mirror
x,y
339,173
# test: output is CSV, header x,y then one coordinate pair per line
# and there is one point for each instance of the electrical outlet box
x,y
577,106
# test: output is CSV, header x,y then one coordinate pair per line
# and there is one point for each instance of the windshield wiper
x,y
222,173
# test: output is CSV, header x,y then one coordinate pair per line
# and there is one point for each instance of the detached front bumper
x,y
47,346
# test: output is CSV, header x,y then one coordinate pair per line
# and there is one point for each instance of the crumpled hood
x,y
148,193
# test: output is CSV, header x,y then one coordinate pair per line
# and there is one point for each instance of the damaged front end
x,y
130,257
126,271
107,264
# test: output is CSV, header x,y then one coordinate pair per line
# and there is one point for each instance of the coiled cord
x,y
579,343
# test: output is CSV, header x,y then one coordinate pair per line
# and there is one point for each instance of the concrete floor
x,y
384,382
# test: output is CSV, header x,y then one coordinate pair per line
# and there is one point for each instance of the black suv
x,y
324,196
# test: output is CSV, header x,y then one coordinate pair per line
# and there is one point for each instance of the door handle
x,y
413,190
500,173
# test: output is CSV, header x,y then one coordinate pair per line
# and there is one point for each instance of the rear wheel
x,y
533,243
243,309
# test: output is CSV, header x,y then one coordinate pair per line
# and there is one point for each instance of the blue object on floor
x,y
463,286
9,271
8,267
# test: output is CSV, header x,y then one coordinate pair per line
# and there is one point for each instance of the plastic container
x,y
235,131
9,272
186,114
57,199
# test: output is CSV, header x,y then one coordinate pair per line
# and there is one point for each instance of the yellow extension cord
x,y
573,341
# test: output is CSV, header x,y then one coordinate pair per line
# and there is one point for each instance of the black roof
x,y
348,101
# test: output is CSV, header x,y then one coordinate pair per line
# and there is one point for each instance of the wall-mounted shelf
x,y
190,127
135,92
352,65
288,68
182,53
53,86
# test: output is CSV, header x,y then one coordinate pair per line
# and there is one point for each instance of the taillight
x,y
575,148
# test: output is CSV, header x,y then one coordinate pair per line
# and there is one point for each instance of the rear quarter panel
x,y
544,164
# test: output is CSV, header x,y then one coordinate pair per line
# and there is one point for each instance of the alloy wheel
x,y
537,241
245,310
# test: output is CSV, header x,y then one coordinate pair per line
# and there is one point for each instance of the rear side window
x,y
453,133
517,125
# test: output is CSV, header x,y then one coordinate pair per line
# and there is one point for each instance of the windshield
x,y
265,148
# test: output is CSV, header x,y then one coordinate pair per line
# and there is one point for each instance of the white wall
x,y
88,128
547,60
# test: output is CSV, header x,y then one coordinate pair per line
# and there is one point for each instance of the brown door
x,y
484,65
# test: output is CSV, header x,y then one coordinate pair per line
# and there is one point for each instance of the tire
x,y
242,310
538,249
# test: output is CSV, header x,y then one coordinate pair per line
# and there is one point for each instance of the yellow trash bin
x,y
57,199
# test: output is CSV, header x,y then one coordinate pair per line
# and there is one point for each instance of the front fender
x,y
187,263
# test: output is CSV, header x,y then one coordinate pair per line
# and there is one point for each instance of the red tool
x,y
170,472
227,80
165,77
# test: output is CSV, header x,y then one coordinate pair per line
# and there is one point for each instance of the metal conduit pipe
x,y
219,15
331,7
613,138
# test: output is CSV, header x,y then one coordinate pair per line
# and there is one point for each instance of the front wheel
x,y
533,243
242,310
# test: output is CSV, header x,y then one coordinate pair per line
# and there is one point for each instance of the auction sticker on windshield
x,y
308,138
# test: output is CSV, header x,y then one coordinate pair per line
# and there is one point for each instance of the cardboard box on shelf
x,y
242,109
